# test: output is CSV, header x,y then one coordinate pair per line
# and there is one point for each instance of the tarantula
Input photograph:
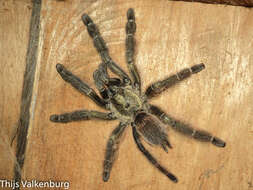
x,y
123,98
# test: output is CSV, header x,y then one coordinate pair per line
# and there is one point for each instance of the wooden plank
x,y
170,36
244,3
14,29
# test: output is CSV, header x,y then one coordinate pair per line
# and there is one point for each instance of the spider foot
x,y
106,176
131,25
165,145
86,19
172,177
57,118
59,67
197,68
130,14
218,142
92,28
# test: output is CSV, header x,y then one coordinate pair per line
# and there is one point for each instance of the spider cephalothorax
x,y
123,98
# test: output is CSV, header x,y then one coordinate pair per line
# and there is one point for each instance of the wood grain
x,y
14,34
170,36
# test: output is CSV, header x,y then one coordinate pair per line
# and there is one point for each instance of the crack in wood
x,y
244,3
250,184
207,173
31,62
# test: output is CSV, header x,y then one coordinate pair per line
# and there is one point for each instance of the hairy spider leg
x,y
111,149
150,157
160,86
79,85
199,135
130,48
81,115
102,49
101,78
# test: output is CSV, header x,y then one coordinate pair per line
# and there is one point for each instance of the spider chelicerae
x,y
123,98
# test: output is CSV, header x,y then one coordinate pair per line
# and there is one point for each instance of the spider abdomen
x,y
153,131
